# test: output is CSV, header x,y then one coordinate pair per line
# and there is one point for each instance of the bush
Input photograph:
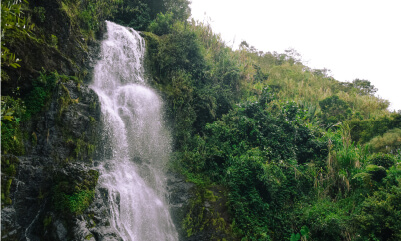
x,y
389,142
163,24
380,218
384,160
365,130
255,150
327,221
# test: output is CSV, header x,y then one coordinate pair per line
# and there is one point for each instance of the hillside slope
x,y
265,148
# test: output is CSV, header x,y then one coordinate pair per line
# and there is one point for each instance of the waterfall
x,y
136,143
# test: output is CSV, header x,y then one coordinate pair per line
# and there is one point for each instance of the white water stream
x,y
137,145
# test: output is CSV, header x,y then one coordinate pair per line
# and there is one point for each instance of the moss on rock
x,y
74,191
208,215
9,165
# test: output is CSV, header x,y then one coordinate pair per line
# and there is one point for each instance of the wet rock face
x,y
180,194
65,145
199,213
94,224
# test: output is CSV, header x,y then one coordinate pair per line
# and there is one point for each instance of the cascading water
x,y
137,145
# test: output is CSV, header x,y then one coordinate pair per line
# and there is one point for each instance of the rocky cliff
x,y
49,187
48,182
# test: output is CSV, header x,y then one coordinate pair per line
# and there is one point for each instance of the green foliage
x,y
12,139
362,87
71,196
303,235
199,218
334,110
254,151
53,40
85,16
134,14
295,237
259,76
41,93
89,237
138,14
75,203
282,171
180,8
363,131
40,13
180,95
163,24
381,215
179,51
14,25
176,60
9,164
12,111
47,221
327,220
389,142
245,120
384,160
82,149
267,151
377,172
8,59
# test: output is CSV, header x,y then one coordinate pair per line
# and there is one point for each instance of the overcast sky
x,y
353,38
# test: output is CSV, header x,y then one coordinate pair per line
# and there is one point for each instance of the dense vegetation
x,y
301,155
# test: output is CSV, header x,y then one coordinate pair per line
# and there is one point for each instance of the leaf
x,y
7,117
14,65
295,237
305,232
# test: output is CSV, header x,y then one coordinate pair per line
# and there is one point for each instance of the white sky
x,y
353,38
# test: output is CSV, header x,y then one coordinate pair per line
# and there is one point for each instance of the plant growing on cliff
x,y
14,24
41,93
71,196
12,111
9,166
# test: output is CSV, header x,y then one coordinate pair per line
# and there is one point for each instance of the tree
x,y
364,87
244,44
293,56
334,110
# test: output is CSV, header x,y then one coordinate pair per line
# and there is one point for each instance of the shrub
x,y
384,160
380,217
389,142
327,220
163,24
